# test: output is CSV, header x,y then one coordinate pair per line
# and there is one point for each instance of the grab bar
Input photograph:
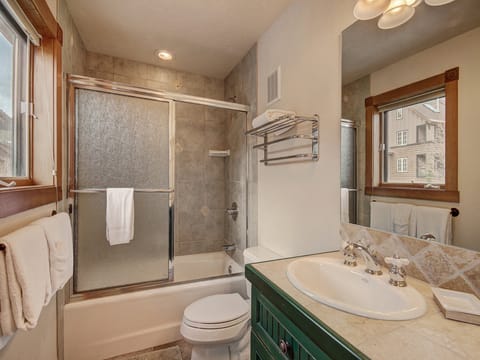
x,y
93,191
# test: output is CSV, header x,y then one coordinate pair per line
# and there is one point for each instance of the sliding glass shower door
x,y
122,141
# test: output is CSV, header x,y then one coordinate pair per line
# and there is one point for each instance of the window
x,y
30,79
421,134
402,137
402,165
14,81
429,110
399,114
421,166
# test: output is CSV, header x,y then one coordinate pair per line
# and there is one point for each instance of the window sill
x,y
415,193
22,198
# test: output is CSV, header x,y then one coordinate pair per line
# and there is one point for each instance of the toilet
x,y
218,326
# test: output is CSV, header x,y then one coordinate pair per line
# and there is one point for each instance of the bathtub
x,y
113,325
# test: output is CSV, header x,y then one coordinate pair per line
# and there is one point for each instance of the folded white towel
x,y
344,205
28,274
435,221
58,232
120,215
270,115
381,216
7,325
404,219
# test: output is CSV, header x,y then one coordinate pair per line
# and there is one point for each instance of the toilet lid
x,y
216,309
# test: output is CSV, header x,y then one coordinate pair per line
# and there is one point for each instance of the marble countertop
x,y
428,337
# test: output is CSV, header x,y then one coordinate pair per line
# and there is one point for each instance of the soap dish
x,y
458,305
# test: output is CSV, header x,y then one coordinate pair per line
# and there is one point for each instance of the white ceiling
x,y
207,37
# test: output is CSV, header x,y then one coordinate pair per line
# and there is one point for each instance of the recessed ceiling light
x,y
164,55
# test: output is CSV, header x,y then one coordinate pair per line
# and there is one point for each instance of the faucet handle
x,y
350,258
397,272
396,261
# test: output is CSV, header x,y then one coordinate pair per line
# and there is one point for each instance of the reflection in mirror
x,y
376,61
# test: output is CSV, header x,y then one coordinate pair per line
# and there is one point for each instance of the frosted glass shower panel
x,y
121,141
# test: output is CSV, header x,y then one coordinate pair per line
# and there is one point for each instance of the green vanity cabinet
x,y
282,329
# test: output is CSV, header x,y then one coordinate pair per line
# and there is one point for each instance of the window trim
x,y
449,192
29,195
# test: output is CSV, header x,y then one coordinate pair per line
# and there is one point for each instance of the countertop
x,y
428,337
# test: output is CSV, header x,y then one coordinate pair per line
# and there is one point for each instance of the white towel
x,y
58,232
381,216
28,274
404,219
344,205
120,215
7,325
270,115
436,221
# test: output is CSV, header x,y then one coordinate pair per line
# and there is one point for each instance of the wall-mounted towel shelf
x,y
286,122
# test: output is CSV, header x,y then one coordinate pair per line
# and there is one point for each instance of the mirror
x,y
375,61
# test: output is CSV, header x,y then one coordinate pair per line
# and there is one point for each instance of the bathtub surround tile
x,y
440,265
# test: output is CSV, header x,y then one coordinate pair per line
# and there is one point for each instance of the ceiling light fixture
x,y
394,12
164,55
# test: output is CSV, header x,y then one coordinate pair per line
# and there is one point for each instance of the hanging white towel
x,y
381,216
270,115
120,215
28,274
435,221
344,205
404,219
58,232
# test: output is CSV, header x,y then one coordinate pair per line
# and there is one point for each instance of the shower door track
x,y
83,82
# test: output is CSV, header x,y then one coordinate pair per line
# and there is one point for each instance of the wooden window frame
x,y
28,194
449,192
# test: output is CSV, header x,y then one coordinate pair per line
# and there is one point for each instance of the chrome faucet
x,y
372,265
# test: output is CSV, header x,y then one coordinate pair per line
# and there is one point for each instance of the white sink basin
x,y
351,289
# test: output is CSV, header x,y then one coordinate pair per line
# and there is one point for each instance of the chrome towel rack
x,y
286,122
93,191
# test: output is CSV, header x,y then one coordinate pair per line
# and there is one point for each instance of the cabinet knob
x,y
284,347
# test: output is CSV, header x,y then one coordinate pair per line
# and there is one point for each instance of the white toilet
x,y
218,326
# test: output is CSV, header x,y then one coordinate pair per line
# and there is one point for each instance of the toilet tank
x,y
257,254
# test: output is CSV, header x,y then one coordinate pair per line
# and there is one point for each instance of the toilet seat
x,y
217,311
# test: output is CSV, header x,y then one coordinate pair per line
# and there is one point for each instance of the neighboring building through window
x,y
14,80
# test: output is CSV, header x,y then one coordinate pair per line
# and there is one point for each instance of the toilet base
x,y
238,350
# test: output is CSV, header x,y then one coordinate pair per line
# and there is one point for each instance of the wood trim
x,y
40,16
414,193
449,192
19,199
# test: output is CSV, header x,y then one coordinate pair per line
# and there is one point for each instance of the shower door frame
x,y
75,82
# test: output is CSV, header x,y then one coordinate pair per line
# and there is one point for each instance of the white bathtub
x,y
109,326
201,266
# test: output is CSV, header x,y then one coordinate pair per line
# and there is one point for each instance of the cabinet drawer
x,y
279,334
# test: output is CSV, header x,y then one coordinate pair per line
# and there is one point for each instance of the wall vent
x,y
273,87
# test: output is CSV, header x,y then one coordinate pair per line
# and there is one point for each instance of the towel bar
x,y
92,191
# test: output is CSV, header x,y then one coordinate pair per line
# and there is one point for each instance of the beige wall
x,y
298,204
462,51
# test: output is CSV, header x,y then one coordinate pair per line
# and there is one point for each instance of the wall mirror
x,y
374,62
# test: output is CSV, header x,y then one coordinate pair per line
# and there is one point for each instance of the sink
x,y
351,289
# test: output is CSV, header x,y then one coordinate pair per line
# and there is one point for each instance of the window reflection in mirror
x,y
375,62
